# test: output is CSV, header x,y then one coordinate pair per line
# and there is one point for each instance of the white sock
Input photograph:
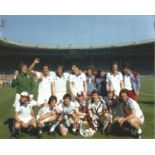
x,y
54,126
139,131
74,129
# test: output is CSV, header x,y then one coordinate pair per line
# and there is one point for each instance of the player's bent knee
x,y
24,125
17,125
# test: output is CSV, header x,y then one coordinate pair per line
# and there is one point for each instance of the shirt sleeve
x,y
131,106
14,82
17,109
107,78
38,74
76,104
66,75
33,103
52,74
121,76
70,78
84,78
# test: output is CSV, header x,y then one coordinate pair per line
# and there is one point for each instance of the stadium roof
x,y
6,42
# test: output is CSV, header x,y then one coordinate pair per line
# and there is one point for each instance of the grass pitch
x,y
146,101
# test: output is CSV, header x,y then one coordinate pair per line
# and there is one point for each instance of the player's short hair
x,y
52,98
77,65
100,71
127,65
45,65
94,92
60,66
123,91
91,68
67,96
114,63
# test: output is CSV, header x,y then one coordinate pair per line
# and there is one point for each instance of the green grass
x,y
146,101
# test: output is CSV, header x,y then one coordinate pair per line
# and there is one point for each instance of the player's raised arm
x,y
36,61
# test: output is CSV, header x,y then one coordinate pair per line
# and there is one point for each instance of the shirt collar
x,y
60,76
115,73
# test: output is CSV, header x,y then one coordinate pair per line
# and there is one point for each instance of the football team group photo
x,y
77,91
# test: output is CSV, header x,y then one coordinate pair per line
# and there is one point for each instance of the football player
x,y
114,79
77,82
100,82
81,104
47,114
131,82
90,80
134,117
24,115
98,112
60,83
22,81
45,82
67,118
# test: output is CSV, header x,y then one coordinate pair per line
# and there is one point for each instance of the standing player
x,y
60,83
90,80
22,81
24,115
100,82
114,80
45,82
77,81
133,114
131,82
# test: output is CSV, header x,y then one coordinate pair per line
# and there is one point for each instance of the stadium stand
x,y
139,54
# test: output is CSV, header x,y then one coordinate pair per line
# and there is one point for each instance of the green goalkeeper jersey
x,y
24,82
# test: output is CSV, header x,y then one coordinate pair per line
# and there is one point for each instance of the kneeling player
x,y
134,117
67,117
24,115
47,114
81,105
98,112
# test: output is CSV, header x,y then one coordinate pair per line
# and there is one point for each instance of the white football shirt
x,y
114,81
45,83
67,110
25,110
61,83
77,82
127,82
133,105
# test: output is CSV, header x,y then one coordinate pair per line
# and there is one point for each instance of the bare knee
x,y
34,124
63,131
24,125
17,125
